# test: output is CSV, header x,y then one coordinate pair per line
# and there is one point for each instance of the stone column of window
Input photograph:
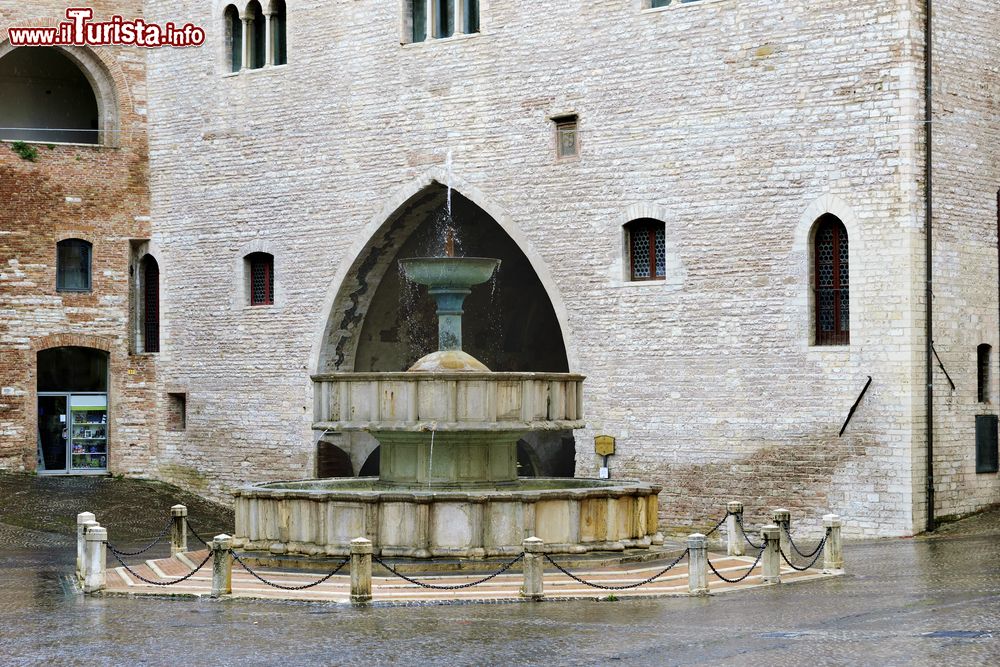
x,y
432,10
459,18
247,40
269,19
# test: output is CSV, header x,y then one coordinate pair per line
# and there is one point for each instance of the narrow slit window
x,y
279,48
234,38
983,372
257,35
418,19
261,266
150,305
832,282
647,249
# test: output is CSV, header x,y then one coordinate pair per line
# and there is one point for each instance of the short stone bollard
x,y
533,587
734,529
178,529
361,570
697,564
833,554
81,541
771,559
783,519
222,565
96,561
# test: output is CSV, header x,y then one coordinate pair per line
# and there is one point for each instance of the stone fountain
x,y
447,485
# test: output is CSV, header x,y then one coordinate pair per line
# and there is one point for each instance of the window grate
x,y
261,279
151,306
647,250
832,283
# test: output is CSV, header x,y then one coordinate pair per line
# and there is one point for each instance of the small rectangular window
x,y
567,136
176,411
73,266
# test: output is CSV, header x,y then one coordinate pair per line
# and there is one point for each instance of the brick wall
x,y
96,193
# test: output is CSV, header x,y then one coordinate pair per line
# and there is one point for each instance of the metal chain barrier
x,y
617,588
718,525
159,583
196,535
745,574
739,517
157,540
817,553
289,588
796,549
446,587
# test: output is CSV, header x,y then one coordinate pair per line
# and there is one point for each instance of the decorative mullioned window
x,y
234,38
832,282
261,269
647,249
436,19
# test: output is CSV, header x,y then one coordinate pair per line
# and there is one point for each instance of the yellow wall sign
x,y
604,445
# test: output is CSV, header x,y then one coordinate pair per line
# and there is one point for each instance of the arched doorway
x,y
72,410
46,98
379,322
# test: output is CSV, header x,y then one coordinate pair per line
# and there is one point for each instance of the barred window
x,y
832,284
261,267
647,249
150,304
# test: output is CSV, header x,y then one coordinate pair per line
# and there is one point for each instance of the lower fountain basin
x,y
320,517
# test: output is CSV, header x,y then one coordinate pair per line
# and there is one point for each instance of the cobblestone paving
x,y
925,601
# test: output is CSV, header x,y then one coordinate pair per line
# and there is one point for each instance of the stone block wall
x,y
966,183
737,123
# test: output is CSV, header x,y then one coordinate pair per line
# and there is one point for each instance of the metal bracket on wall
x,y
855,406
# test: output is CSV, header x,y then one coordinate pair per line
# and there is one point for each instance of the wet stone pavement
x,y
924,601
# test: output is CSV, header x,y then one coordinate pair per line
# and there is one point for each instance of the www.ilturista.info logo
x,y
80,31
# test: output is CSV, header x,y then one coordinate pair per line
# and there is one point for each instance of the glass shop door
x,y
88,437
53,433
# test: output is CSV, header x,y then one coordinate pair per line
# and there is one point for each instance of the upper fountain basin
x,y
461,272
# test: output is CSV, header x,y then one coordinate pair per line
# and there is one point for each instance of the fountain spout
x,y
449,281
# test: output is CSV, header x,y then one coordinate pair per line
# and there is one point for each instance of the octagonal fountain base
x,y
320,517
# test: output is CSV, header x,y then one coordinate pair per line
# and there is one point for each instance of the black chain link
x,y
448,587
157,540
718,525
739,519
745,574
160,583
196,535
622,587
796,549
813,561
282,586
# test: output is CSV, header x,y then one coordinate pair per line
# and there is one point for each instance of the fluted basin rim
x,y
449,271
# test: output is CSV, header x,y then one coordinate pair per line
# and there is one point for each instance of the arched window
x,y
73,265
646,240
45,97
260,270
279,49
150,304
257,31
471,16
234,38
832,283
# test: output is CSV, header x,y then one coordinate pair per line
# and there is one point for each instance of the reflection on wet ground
x,y
903,602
